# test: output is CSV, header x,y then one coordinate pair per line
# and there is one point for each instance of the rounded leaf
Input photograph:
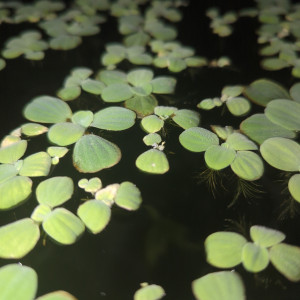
x,y
140,77
295,91
224,249
55,191
18,238
186,118
93,153
40,212
46,109
142,105
266,237
63,226
255,258
93,86
238,106
240,142
149,292
32,129
198,139
152,123
37,164
7,171
128,196
95,215
163,85
294,187
57,295
153,161
116,92
12,152
69,93
149,139
164,112
83,118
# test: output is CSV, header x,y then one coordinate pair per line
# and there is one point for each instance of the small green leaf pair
x,y
228,249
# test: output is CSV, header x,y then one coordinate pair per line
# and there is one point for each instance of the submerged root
x,y
289,209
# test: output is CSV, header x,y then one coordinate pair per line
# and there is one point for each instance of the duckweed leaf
x,y
238,106
128,196
14,191
248,165
224,249
69,93
150,139
63,226
32,129
140,77
112,77
186,118
198,139
40,212
83,118
10,139
95,215
240,142
281,153
37,164
176,64
142,90
93,86
64,134
294,187
93,153
255,258
262,91
164,112
7,171
266,237
17,282
295,91
55,191
286,259
57,295
116,92
219,157
59,152
46,109
152,123
153,161
90,186
259,128
114,118
64,42
223,285
284,113
222,132
232,91
81,73
206,104
12,152
18,239
149,292
142,105
108,194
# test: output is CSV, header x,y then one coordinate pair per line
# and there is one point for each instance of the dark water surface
x,y
162,242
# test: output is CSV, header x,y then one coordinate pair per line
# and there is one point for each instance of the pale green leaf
x,y
142,105
238,106
152,123
32,129
149,292
149,139
128,196
164,112
294,186
266,237
153,161
163,85
255,257
40,212
37,164
186,118
83,118
140,77
57,295
7,171
93,86
116,92
12,152
69,93
240,142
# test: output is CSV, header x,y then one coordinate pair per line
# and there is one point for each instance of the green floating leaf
x,y
64,134
294,187
266,237
69,93
284,113
198,139
274,64
286,259
59,152
108,194
176,64
295,91
149,292
259,128
112,77
18,239
224,249
17,282
40,213
64,42
93,153
219,157
57,295
14,191
142,90
186,118
222,132
262,91
223,285
255,258
32,129
164,112
240,142
93,86
2,64
152,123
55,191
140,77
114,118
163,85
153,161
37,164
83,118
232,91
128,196
248,165
12,152
238,106
150,139
116,92
95,215
63,226
46,109
142,105
206,104
7,171
281,153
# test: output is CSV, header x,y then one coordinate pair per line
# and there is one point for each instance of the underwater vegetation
x,y
69,170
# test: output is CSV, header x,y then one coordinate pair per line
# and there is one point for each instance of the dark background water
x,y
162,242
